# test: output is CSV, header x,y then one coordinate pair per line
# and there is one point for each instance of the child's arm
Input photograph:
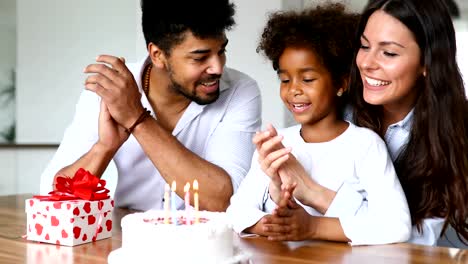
x,y
282,167
271,155
292,223
307,191
247,205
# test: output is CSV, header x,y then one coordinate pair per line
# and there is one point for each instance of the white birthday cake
x,y
153,237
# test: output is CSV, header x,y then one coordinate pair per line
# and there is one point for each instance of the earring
x,y
339,93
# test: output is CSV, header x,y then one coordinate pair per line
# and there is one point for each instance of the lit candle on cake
x,y
195,200
187,203
173,205
166,204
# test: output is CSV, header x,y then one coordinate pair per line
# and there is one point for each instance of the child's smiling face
x,y
307,87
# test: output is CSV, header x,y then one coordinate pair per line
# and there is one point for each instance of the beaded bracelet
x,y
146,113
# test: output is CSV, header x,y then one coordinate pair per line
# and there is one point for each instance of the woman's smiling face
x,y
389,61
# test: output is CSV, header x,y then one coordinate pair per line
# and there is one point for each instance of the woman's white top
x,y
396,137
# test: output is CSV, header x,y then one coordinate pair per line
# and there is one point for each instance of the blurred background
x,y
44,46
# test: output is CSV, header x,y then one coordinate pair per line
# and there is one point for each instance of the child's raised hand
x,y
271,155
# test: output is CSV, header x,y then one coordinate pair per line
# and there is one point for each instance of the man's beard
x,y
176,87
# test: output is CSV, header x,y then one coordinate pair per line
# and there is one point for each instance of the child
x,y
302,177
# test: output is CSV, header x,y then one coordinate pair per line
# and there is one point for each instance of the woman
x,y
331,160
406,86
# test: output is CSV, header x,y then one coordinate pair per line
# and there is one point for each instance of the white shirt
x,y
370,203
220,133
462,54
396,137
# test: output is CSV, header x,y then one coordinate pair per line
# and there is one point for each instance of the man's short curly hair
x,y
165,23
329,30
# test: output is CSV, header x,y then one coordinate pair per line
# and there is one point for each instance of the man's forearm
x,y
176,163
95,161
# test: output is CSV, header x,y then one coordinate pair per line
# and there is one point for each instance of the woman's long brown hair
x,y
433,166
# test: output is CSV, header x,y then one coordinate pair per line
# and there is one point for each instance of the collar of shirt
x,y
397,135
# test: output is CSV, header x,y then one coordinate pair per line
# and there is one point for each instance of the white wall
x,y
56,40
251,17
8,171
7,61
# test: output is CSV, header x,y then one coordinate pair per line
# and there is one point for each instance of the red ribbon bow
x,y
83,185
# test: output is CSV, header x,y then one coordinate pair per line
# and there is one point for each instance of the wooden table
x,y
15,249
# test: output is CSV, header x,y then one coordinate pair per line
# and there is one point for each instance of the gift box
x,y
70,223
78,211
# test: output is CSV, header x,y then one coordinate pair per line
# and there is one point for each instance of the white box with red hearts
x,y
69,223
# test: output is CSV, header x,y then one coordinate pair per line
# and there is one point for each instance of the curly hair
x,y
433,166
165,23
328,30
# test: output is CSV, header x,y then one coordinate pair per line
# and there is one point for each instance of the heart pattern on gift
x,y
38,228
54,221
109,225
76,211
87,208
64,234
91,220
76,232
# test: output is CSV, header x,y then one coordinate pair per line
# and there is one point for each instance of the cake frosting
x,y
153,237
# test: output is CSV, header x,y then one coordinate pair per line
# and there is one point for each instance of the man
x,y
203,115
